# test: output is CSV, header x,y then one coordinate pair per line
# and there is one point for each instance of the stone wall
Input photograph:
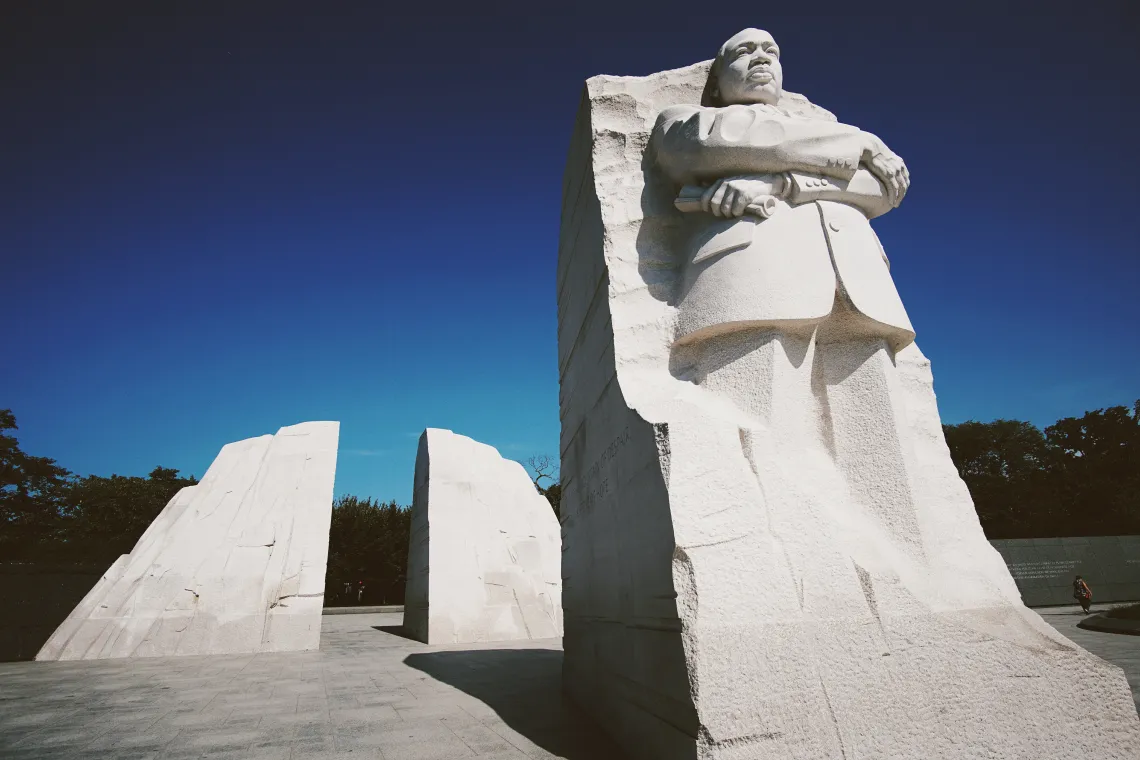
x,y
1043,568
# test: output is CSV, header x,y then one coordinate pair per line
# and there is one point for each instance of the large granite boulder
x,y
234,564
483,559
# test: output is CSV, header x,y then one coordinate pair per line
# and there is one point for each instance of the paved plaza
x,y
369,693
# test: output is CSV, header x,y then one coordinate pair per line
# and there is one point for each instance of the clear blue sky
x,y
221,222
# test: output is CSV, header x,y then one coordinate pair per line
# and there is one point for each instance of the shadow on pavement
x,y
395,630
524,687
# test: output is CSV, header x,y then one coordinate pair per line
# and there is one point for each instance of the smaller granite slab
x,y
485,548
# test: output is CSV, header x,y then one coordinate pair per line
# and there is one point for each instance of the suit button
x,y
834,225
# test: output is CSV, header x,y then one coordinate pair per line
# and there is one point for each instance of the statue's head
x,y
746,70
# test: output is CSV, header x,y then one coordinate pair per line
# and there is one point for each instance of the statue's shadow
x,y
659,232
524,688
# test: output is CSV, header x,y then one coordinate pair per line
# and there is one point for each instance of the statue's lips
x,y
760,75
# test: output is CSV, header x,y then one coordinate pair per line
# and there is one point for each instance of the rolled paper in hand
x,y
689,201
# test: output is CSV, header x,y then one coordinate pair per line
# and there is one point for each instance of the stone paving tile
x,y
242,721
312,704
214,738
191,719
313,733
41,753
523,743
372,714
315,748
481,739
433,710
63,737
263,752
420,741
142,741
333,754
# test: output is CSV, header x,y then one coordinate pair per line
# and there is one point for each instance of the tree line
x,y
1077,477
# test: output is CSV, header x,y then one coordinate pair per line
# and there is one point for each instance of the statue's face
x,y
750,70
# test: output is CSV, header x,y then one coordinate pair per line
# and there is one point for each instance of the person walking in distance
x,y
1083,593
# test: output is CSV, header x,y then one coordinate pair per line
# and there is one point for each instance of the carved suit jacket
x,y
785,270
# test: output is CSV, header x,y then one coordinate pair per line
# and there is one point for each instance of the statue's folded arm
x,y
863,191
697,145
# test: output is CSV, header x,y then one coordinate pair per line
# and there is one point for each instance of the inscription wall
x,y
597,484
1044,568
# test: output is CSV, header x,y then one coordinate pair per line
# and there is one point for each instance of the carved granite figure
x,y
767,551
823,179
786,305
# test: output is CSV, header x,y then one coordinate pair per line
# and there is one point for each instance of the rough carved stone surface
x,y
768,552
483,559
234,564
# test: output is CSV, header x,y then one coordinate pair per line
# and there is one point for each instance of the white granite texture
x,y
234,564
484,552
767,550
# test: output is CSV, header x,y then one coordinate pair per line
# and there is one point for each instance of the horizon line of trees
x,y
1077,477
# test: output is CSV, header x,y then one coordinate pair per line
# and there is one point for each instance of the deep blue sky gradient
x,y
217,219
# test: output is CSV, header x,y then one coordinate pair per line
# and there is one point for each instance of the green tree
x,y
105,516
1095,469
30,487
553,494
368,541
1081,477
1003,463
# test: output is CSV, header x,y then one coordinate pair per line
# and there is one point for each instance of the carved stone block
x,y
767,551
234,564
483,559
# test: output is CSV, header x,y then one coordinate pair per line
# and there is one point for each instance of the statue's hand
x,y
731,196
889,168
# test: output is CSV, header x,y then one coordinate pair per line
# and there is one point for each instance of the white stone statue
x,y
767,550
751,160
786,305
484,549
234,564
